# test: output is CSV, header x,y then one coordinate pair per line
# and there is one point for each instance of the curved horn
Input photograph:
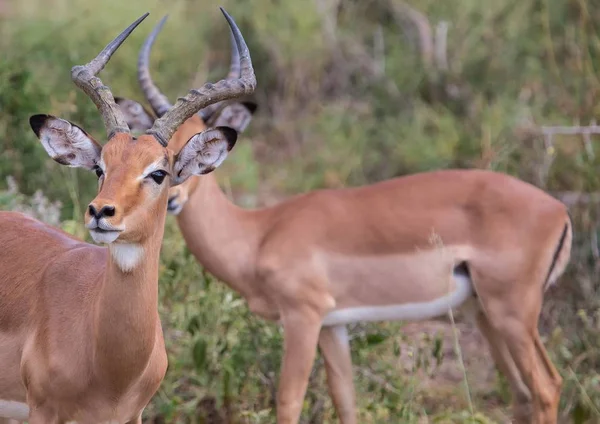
x,y
159,102
234,72
208,94
84,77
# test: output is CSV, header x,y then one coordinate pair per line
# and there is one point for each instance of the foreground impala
x,y
409,248
80,336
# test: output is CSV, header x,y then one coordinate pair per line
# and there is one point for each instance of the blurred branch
x,y
441,45
572,198
370,375
586,132
328,11
591,129
316,411
433,47
270,382
379,52
549,132
420,21
594,243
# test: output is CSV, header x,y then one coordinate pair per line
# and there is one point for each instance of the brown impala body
x,y
80,335
409,248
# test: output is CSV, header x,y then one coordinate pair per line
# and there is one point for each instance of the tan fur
x,y
80,336
375,245
393,244
81,340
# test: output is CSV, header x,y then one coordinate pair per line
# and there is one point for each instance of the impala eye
x,y
99,172
158,176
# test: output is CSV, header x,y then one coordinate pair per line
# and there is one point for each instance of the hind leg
x,y
521,396
514,320
554,378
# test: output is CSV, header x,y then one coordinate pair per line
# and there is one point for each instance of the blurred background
x,y
349,92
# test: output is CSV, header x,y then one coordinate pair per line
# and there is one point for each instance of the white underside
x,y
341,334
405,311
20,412
15,410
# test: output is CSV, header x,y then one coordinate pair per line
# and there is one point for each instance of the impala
x,y
409,248
80,335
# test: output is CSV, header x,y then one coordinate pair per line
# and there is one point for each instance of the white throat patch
x,y
126,256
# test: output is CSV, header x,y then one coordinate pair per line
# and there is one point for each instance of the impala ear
x,y
203,153
138,118
65,142
235,115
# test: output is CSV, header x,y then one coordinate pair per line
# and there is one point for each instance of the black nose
x,y
104,211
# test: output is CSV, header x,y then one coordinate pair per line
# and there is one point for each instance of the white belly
x,y
462,290
15,410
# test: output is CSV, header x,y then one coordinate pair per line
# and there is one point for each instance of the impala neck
x,y
222,236
128,308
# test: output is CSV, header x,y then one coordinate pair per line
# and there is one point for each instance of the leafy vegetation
x,y
348,94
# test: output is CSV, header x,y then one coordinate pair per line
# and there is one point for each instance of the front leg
x,y
42,416
301,333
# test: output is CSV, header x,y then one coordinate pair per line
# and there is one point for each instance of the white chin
x,y
106,237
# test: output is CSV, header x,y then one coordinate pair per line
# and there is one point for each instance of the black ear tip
x,y
37,122
251,106
119,100
230,134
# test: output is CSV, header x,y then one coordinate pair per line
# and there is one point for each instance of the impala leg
x,y
517,328
41,416
521,396
554,380
335,348
301,334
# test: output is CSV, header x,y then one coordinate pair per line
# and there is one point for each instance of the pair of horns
x,y
158,101
170,117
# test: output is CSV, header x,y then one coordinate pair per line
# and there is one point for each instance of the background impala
x,y
405,249
346,97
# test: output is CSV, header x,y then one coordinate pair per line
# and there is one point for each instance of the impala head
x,y
232,114
135,173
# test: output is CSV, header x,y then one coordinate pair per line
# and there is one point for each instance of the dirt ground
x,y
445,383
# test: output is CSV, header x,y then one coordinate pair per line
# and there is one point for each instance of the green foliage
x,y
344,99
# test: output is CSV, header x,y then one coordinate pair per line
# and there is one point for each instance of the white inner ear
x,y
203,153
68,144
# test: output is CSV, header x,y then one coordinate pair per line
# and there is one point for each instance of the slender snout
x,y
101,229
